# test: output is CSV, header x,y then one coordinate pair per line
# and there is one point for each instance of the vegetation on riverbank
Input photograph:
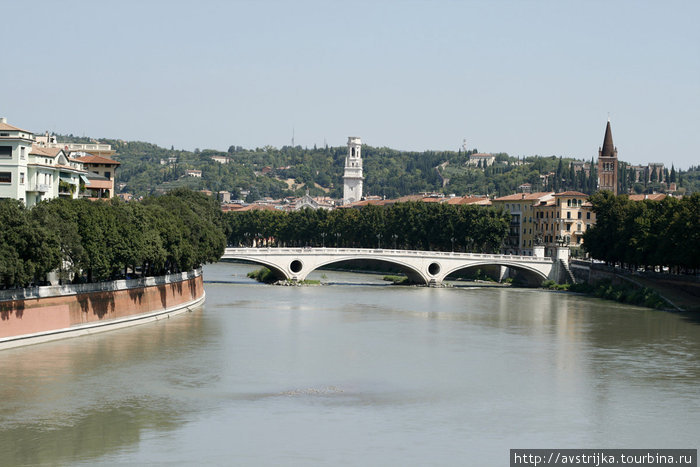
x,y
623,293
263,275
96,241
397,280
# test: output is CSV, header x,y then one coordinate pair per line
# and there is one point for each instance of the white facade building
x,y
30,173
352,179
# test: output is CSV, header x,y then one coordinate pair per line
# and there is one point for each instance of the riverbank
x,y
681,293
41,314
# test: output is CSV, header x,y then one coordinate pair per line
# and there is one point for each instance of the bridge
x,y
421,267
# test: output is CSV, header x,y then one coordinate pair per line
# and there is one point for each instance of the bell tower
x,y
607,163
352,178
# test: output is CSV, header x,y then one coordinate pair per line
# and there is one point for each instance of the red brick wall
x,y
18,317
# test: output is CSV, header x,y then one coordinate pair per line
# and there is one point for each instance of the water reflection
x,y
86,397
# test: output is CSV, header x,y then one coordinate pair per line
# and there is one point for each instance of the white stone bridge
x,y
422,267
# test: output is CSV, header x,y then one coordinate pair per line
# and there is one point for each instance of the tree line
x,y
96,241
409,225
648,234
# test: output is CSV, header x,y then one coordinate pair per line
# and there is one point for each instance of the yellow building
x,y
521,207
562,221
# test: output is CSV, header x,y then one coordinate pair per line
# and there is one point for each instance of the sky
x,y
524,77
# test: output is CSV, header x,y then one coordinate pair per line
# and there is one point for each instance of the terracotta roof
x,y
608,148
652,197
91,159
571,193
407,198
524,196
256,207
8,127
482,200
46,152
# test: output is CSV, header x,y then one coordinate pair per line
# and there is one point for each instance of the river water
x,y
356,373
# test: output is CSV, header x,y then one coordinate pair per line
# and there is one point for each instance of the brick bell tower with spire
x,y
607,163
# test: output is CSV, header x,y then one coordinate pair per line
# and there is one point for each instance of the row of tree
x,y
96,241
646,233
410,225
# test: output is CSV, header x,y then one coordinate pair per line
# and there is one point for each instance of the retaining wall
x,y
46,313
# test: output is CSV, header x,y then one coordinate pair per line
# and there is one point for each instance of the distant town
x,y
36,167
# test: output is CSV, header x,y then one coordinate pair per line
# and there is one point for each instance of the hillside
x,y
288,171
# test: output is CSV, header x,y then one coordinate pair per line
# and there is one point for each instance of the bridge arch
x,y
413,274
277,271
531,275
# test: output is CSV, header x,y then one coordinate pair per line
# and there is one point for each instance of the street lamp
x,y
323,239
337,239
379,241
394,236
452,239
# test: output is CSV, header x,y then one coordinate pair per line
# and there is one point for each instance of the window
x,y
568,227
5,177
588,215
21,152
21,178
108,175
579,214
568,215
5,152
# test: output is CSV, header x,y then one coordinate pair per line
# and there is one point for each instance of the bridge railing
x,y
379,251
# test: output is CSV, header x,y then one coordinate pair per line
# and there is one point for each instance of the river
x,y
356,373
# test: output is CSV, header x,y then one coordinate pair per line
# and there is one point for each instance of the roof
x,y
608,148
482,200
47,152
652,197
571,193
8,127
525,196
482,154
92,159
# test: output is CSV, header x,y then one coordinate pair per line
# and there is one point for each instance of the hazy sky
x,y
523,77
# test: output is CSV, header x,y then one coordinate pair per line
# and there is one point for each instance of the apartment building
x,y
32,172
562,221
521,206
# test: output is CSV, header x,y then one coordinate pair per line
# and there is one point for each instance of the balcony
x,y
39,187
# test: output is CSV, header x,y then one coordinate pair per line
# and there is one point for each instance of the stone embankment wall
x,y
46,313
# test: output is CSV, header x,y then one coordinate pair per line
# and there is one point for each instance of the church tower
x,y
607,163
352,179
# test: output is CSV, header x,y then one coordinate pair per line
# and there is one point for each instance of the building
x,y
220,159
483,159
102,172
562,221
31,173
521,206
352,178
194,173
97,149
607,163
307,201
